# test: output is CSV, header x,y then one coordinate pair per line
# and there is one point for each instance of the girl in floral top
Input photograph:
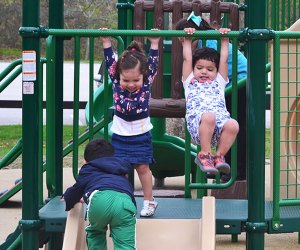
x,y
132,75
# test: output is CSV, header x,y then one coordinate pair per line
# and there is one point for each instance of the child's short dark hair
x,y
98,148
184,23
206,53
131,57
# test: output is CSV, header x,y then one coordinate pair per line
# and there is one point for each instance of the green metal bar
x,y
275,15
12,77
56,20
289,202
288,117
294,10
212,185
125,14
83,137
283,16
187,164
16,244
234,106
297,117
276,133
10,68
255,129
129,20
30,115
11,155
40,136
50,115
91,89
11,192
76,105
290,34
167,33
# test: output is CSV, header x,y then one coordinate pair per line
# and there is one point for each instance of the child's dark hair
x,y
184,23
98,148
206,53
133,55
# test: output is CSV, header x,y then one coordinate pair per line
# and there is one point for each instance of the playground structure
x,y
253,219
286,114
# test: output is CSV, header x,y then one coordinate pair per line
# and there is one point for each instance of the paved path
x,y
10,116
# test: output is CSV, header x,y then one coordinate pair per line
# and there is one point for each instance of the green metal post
x,y
30,117
255,146
56,20
76,104
40,153
125,14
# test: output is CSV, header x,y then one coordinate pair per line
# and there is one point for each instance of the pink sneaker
x,y
206,163
221,165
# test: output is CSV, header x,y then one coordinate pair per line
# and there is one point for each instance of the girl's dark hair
x,y
206,53
131,57
184,23
98,148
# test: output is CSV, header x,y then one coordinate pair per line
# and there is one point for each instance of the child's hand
x,y
189,31
106,40
224,30
154,40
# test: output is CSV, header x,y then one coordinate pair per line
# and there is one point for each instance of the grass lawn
x,y
10,134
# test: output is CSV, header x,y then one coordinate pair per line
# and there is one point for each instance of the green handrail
x,y
11,155
9,68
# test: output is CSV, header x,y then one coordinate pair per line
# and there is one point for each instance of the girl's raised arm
x,y
106,40
154,40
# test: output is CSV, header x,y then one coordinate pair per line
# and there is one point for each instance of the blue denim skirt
x,y
136,149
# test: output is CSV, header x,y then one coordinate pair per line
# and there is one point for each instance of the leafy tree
x,y
78,14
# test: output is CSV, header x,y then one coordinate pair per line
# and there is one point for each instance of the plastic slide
x,y
190,233
74,237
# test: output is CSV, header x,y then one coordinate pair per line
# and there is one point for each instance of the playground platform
x,y
11,211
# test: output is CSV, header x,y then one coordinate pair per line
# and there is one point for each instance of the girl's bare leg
x,y
145,176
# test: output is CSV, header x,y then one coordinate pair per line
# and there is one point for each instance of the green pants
x,y
116,210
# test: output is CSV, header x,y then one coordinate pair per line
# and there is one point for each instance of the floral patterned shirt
x,y
136,105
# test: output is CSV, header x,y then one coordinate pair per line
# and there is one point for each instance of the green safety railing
x,y
286,141
7,76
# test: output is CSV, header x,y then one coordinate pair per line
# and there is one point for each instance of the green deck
x,y
231,215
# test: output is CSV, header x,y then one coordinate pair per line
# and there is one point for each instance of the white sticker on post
x,y
29,65
28,88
